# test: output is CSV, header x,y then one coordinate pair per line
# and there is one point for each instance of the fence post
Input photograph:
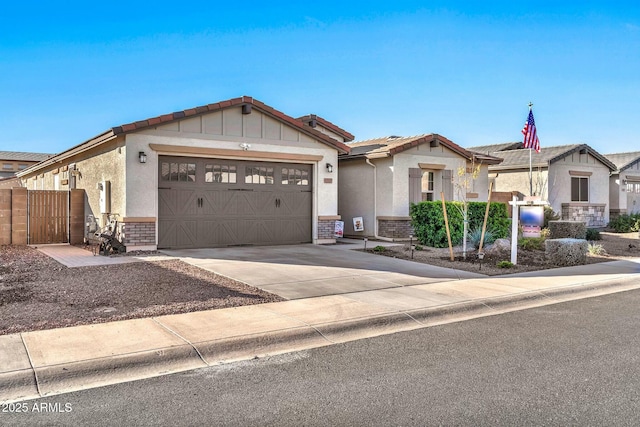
x,y
5,216
76,217
19,216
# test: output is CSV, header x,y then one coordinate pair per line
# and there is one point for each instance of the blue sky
x,y
466,70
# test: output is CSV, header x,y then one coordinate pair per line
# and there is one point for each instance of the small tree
x,y
466,177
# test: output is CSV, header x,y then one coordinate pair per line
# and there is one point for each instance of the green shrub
x,y
418,248
504,264
593,234
625,223
476,234
532,243
428,221
379,248
498,220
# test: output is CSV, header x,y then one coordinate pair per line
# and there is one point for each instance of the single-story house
x,y
624,183
16,161
236,172
380,178
570,177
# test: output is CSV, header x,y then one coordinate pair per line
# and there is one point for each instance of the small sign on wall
x,y
339,229
358,224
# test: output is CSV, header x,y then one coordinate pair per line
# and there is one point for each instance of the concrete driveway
x,y
305,271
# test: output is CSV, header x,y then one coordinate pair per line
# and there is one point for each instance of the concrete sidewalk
x,y
34,364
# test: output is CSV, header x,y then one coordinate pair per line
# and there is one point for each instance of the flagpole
x,y
530,169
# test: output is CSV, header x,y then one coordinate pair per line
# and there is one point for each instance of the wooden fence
x,y
48,213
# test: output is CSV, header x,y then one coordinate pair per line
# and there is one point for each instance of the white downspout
x,y
375,198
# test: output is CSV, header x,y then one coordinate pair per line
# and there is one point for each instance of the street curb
x,y
73,376
367,327
259,345
50,380
18,385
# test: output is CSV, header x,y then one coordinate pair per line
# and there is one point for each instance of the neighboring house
x,y
237,172
570,177
624,183
380,178
12,162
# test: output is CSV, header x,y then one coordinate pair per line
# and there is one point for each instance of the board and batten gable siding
x,y
231,124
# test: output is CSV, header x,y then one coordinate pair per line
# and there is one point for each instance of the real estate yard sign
x,y
531,220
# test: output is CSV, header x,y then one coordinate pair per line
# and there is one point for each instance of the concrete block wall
x,y
5,216
19,216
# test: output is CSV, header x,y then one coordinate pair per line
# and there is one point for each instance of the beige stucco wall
x,y
557,181
106,163
392,182
518,180
356,196
437,155
226,130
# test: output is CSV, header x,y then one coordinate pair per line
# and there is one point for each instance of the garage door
x,y
211,202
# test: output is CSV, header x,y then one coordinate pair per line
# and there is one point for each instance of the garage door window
x,y
258,175
294,176
185,172
225,174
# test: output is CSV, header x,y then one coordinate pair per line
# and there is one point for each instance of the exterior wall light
x,y
142,157
329,168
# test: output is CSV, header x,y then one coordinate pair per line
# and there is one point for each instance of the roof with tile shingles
x,y
391,145
19,156
624,161
519,158
327,124
488,149
192,112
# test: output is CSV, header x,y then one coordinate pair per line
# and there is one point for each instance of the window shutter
x,y
415,185
447,184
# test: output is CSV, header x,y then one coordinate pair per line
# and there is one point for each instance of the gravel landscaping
x,y
37,292
614,246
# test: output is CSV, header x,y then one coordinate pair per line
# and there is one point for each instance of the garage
x,y
206,202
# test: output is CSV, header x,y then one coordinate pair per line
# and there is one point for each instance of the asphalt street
x,y
574,363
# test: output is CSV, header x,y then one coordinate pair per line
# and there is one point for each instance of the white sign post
x,y
514,224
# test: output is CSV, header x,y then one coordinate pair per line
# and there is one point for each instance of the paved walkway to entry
x,y
305,271
73,256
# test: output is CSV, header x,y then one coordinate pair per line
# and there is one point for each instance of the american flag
x,y
530,135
